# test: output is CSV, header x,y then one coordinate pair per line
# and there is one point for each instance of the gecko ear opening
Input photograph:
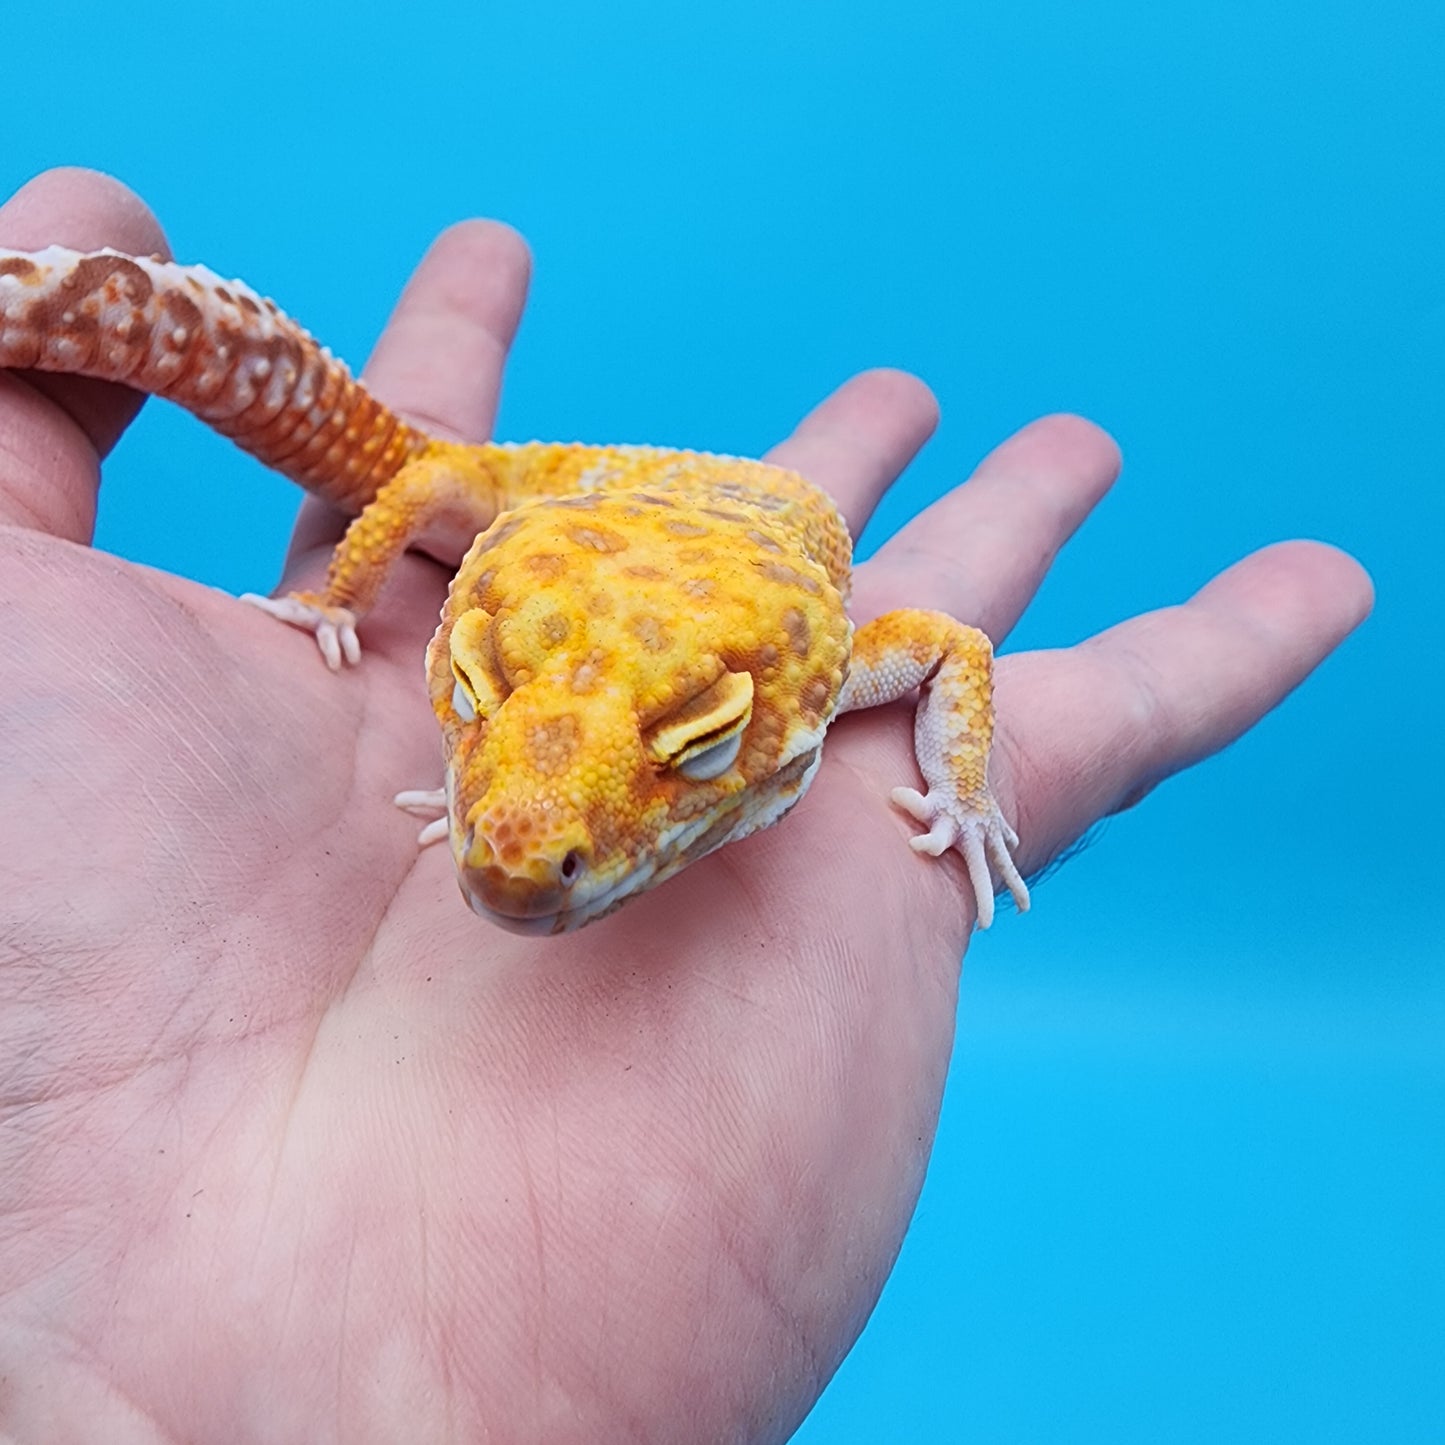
x,y
702,738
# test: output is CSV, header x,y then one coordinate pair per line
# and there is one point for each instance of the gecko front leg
x,y
447,481
953,733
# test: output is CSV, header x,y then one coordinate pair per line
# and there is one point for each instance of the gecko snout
x,y
518,879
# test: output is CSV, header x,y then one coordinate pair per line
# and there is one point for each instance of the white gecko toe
x,y
333,627
423,801
982,837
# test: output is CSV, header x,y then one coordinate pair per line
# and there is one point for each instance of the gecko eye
x,y
462,703
711,762
702,738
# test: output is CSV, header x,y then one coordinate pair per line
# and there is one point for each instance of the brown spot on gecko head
x,y
553,629
816,697
788,576
797,631
22,268
546,565
482,584
504,528
651,633
735,490
598,539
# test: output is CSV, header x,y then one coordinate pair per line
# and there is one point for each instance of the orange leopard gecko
x,y
641,651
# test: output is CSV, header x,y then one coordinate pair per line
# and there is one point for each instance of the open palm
x,y
293,1147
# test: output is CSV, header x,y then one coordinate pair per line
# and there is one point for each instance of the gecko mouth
x,y
534,912
563,919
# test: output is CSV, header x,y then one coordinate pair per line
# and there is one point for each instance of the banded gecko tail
x,y
215,347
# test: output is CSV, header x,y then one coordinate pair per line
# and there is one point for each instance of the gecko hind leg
x,y
953,733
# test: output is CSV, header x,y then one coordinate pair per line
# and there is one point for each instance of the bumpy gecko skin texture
x,y
642,649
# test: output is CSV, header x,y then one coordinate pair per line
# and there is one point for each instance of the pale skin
x,y
293,1147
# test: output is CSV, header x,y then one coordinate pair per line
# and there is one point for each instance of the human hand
x,y
293,1147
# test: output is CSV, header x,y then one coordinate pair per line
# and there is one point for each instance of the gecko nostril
x,y
571,869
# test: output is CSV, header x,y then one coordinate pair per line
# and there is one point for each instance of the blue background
x,y
1189,1179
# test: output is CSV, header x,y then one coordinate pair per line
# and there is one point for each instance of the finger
x,y
1091,730
54,429
855,443
980,553
439,361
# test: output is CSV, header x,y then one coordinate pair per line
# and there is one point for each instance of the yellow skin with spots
x,y
641,650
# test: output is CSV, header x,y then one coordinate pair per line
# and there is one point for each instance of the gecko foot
x,y
982,835
424,801
333,627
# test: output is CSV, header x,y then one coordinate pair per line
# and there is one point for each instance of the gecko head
x,y
612,711
565,806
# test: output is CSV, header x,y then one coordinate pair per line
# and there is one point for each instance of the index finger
x,y
439,362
